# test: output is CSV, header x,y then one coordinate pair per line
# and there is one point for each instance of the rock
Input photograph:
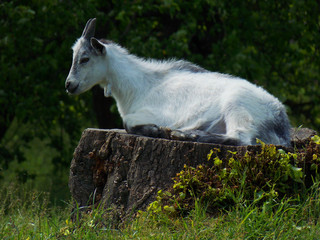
x,y
125,171
300,136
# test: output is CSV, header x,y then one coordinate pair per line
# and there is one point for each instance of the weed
x,y
269,174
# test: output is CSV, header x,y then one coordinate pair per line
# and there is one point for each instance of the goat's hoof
x,y
165,132
177,135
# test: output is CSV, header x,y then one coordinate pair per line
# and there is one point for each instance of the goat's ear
x,y
98,46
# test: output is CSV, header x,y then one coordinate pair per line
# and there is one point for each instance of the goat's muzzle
x,y
71,87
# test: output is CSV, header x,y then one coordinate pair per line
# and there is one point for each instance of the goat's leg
x,y
150,130
240,127
219,139
239,130
141,123
204,137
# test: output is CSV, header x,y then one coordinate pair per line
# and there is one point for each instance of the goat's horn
x,y
89,29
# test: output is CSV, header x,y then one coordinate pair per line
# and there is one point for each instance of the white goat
x,y
177,99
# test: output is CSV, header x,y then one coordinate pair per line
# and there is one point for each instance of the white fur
x,y
165,94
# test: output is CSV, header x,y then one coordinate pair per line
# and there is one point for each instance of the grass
x,y
27,214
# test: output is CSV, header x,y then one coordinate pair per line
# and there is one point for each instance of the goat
x,y
177,99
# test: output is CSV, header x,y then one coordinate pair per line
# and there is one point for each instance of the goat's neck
x,y
130,78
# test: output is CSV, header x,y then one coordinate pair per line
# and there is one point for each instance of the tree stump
x,y
125,171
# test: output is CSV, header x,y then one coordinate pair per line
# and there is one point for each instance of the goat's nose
x,y
67,84
71,87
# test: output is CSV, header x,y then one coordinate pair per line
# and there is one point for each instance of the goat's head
x,y
88,67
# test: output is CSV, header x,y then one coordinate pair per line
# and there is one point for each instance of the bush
x,y
259,177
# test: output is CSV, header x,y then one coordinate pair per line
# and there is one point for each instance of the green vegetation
x,y
270,173
279,220
266,195
274,44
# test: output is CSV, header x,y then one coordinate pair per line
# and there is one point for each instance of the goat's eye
x,y
84,60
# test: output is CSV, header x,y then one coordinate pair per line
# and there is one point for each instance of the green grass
x,y
28,215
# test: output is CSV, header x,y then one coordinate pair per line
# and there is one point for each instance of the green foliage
x,y
271,43
270,173
35,42
316,139
25,214
274,44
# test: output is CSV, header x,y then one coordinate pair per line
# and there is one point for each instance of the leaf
x,y
316,139
169,208
217,161
296,174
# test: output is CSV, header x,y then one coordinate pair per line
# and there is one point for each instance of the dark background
x,y
274,44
